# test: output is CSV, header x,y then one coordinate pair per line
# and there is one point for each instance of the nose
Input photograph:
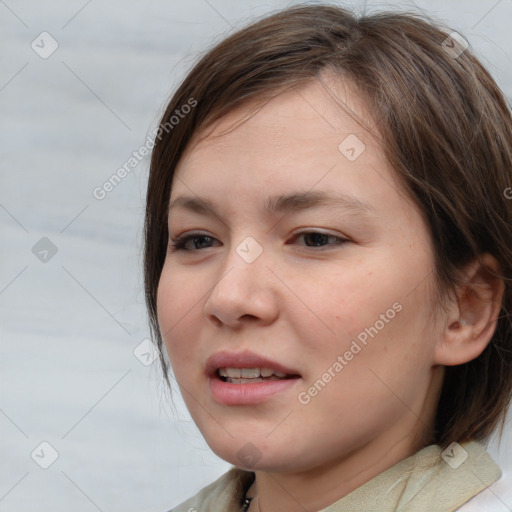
x,y
243,292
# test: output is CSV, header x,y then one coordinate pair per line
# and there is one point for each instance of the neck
x,y
318,488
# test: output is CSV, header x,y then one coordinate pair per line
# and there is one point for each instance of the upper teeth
x,y
249,373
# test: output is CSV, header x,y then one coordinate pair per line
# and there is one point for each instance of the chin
x,y
252,456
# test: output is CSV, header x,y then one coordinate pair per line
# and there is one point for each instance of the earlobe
x,y
472,318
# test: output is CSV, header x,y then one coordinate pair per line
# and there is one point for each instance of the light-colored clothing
x,y
423,482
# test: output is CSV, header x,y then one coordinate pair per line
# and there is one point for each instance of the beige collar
x,y
423,482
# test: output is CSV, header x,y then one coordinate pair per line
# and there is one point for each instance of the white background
x,y
68,374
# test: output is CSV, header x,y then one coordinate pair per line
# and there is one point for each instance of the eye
x,y
198,241
319,239
195,242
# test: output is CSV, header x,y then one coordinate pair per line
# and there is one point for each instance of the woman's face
x,y
302,251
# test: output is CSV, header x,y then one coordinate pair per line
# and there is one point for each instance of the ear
x,y
471,318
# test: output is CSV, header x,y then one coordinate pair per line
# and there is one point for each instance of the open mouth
x,y
251,375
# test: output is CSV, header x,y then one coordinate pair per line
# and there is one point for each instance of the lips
x,y
224,359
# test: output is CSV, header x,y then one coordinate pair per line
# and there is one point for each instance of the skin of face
x,y
300,303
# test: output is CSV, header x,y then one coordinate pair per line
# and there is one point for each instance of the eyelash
x,y
178,243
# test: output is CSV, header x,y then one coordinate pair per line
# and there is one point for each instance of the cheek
x,y
369,314
336,310
340,305
176,306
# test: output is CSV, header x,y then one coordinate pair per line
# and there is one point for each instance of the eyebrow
x,y
295,201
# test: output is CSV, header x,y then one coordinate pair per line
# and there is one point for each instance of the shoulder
x,y
448,479
431,479
496,497
224,494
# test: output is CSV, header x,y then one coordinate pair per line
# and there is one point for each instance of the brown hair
x,y
445,127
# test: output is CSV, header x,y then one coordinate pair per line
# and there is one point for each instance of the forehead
x,y
321,112
324,107
317,135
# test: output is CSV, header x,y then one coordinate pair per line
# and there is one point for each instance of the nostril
x,y
216,321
